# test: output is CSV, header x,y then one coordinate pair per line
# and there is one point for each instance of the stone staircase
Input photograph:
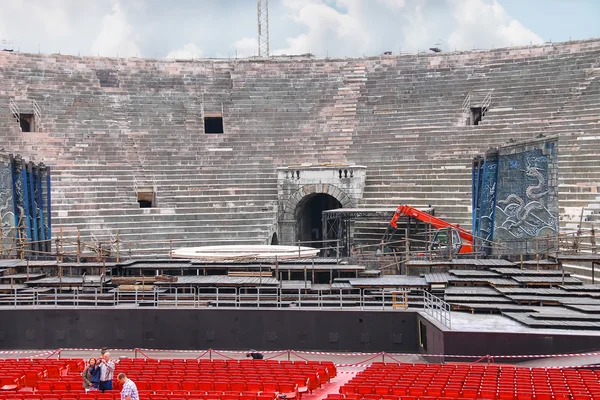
x,y
112,125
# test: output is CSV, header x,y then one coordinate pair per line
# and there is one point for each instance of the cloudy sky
x,y
334,28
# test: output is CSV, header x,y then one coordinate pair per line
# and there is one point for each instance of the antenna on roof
x,y
262,12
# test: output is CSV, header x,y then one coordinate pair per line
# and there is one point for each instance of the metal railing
x,y
437,308
466,104
487,101
204,297
37,114
14,110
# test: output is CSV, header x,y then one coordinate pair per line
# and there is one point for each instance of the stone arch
x,y
274,239
291,205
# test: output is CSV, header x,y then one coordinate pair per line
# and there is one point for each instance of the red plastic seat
x,y
253,386
222,386
205,386
60,386
238,386
270,387
171,385
189,385
157,385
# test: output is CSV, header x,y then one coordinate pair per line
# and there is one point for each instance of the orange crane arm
x,y
438,223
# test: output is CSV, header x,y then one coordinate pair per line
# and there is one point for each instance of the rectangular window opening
x,y
476,115
27,122
146,197
213,124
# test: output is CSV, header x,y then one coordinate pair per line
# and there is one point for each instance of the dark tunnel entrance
x,y
309,226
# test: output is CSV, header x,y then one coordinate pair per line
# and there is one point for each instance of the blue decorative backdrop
x,y
7,216
485,181
25,204
515,196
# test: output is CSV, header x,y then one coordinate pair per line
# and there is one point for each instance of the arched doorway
x,y
309,225
274,239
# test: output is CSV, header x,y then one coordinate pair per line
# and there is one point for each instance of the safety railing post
x,y
217,297
319,294
361,299
95,297
341,300
258,296
176,290
136,296
55,298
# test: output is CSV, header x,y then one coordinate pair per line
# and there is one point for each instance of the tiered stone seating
x,y
402,117
469,381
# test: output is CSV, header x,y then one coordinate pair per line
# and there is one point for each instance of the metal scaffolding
x,y
337,223
262,11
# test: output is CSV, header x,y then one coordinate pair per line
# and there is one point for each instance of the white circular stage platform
x,y
244,252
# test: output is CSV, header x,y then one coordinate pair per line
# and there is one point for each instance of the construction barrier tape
x,y
19,351
300,354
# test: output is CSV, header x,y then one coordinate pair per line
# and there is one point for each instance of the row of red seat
x,y
27,372
395,397
415,381
270,385
116,396
168,379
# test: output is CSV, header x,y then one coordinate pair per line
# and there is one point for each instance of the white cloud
x,y
483,24
53,18
357,27
117,36
246,47
188,51
194,28
46,21
393,4
326,28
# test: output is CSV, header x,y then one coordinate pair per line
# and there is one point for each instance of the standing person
x,y
129,391
107,370
91,375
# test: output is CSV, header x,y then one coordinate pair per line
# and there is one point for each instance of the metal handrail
x,y
242,297
37,113
14,109
466,104
485,104
437,308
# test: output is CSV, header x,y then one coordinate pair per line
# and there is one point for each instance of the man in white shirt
x,y
107,370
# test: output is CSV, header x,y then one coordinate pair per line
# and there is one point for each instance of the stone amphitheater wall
x,y
111,128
